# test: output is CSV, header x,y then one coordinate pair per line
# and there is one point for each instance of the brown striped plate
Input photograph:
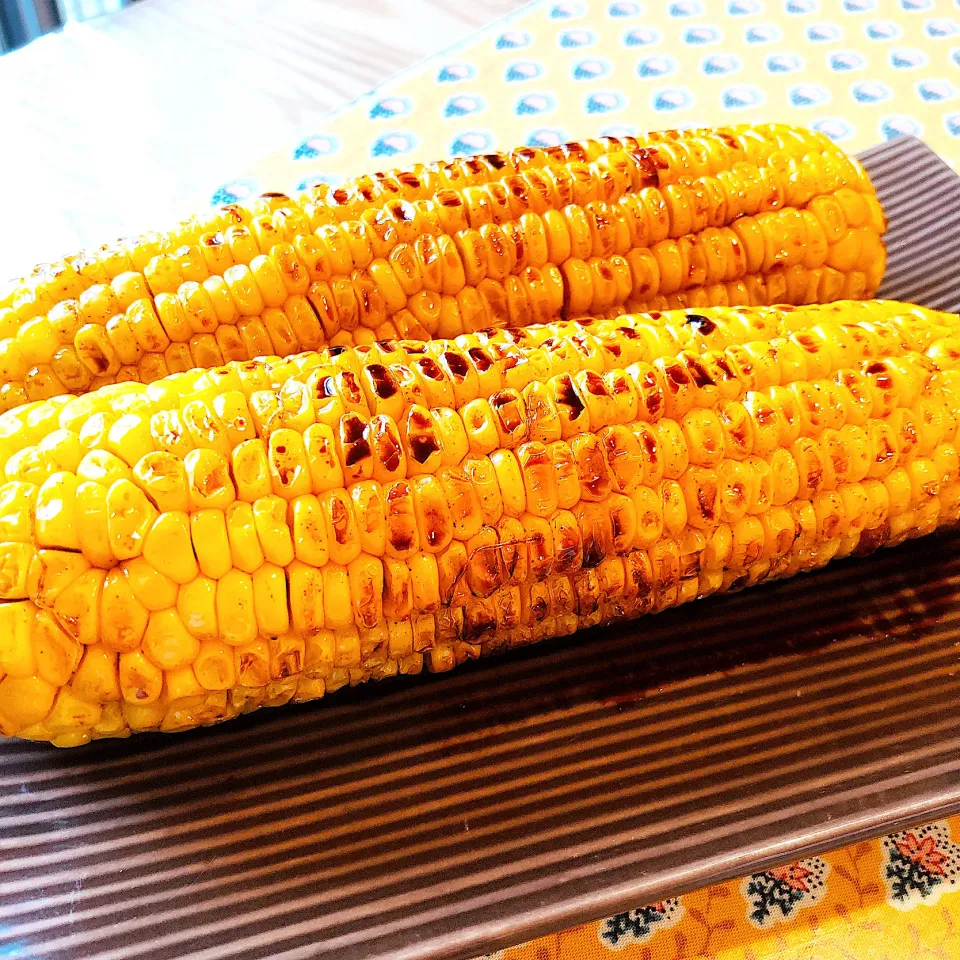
x,y
443,817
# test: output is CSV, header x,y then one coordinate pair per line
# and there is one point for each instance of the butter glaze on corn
x,y
740,215
175,554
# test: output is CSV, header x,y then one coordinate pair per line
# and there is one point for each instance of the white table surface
x,y
129,121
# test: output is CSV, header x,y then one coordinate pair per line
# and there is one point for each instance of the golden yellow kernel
x,y
211,544
196,604
71,715
245,551
251,470
130,515
270,521
24,701
163,479
167,642
96,677
154,590
92,529
309,531
209,483
168,547
182,688
214,666
123,617
56,655
56,512
337,608
370,512
144,716
141,680
270,600
235,609
290,473
76,607
306,598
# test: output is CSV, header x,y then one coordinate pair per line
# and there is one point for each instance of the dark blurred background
x,y
24,20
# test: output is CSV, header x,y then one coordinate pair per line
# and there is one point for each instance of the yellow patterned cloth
x,y
889,899
861,71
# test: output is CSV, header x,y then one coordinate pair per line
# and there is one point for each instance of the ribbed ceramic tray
x,y
443,817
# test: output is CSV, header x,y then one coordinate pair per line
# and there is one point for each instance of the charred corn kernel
x,y
204,428
252,664
287,655
402,537
365,575
340,527
397,589
433,517
163,479
209,484
368,506
288,464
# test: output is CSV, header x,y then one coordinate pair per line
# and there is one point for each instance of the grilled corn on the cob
x,y
748,214
176,554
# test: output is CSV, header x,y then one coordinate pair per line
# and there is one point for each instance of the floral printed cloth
x,y
889,899
861,71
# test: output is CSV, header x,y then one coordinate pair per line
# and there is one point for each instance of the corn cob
x,y
762,214
177,553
